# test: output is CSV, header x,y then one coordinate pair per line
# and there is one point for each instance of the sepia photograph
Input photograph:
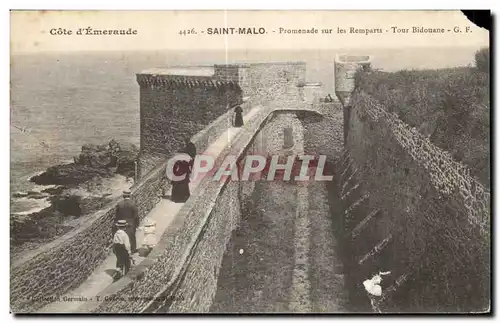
x,y
250,162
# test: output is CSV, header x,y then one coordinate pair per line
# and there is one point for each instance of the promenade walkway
x,y
163,214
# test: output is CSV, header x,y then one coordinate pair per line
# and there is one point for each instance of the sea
x,y
62,100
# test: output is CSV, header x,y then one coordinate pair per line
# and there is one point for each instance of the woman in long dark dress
x,y
238,118
180,189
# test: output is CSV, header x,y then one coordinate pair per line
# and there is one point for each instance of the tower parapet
x,y
189,77
345,71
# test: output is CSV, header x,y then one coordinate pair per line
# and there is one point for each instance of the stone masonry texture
x,y
428,201
173,110
324,136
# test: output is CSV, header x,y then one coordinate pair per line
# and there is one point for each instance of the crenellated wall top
x,y
181,81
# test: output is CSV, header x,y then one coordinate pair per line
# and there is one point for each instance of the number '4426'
x,y
185,32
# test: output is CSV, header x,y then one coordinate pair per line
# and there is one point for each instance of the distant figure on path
x,y
238,117
180,188
121,248
127,210
190,149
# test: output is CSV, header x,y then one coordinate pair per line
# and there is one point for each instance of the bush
x,y
483,60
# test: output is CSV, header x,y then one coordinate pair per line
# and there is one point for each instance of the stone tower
x,y
345,71
178,102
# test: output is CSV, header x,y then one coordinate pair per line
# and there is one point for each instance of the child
x,y
149,235
121,248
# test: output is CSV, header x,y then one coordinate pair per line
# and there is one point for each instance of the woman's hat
x,y
126,193
121,223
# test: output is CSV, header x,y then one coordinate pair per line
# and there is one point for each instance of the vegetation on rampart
x,y
450,106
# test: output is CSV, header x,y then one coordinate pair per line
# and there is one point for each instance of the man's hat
x,y
121,223
126,193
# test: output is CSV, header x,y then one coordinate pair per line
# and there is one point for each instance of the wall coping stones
x,y
355,59
277,63
182,71
310,84
180,81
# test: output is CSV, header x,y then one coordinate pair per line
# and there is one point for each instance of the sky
x,y
159,30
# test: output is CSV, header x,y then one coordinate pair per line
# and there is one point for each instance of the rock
x,y
69,174
119,155
81,200
94,156
126,163
93,203
31,195
68,204
38,227
80,191
50,222
93,161
20,194
54,190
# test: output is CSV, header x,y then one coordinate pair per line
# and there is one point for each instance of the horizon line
x,y
12,53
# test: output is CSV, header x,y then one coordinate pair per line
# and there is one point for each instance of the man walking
x,y
127,210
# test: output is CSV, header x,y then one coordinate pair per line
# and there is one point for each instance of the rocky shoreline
x,y
96,176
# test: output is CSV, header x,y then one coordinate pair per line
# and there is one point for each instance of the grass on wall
x,y
450,106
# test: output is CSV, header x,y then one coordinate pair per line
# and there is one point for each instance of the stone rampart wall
x,y
192,246
435,214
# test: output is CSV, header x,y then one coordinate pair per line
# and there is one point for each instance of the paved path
x,y
163,214
300,300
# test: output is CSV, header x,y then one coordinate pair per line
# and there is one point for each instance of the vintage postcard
x,y
249,162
